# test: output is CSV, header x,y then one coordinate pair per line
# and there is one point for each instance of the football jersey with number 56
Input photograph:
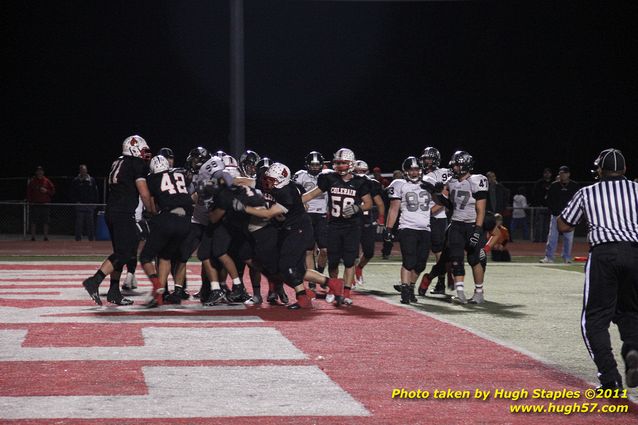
x,y
342,193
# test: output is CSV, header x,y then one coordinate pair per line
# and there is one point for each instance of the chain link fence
x,y
15,218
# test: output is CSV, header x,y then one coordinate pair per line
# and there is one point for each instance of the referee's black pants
x,y
611,294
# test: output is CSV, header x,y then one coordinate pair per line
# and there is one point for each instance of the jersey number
x,y
115,171
412,201
463,196
338,202
168,186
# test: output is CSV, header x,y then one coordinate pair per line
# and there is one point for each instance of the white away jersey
x,y
463,196
318,205
415,204
441,175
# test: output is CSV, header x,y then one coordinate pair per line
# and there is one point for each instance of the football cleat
x,y
130,282
358,276
406,293
92,287
272,298
345,301
330,298
425,284
183,294
173,298
283,297
238,294
304,301
117,298
256,299
156,300
459,298
438,290
216,297
477,298
397,287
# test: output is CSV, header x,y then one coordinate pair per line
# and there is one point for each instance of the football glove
x,y
388,236
476,236
350,210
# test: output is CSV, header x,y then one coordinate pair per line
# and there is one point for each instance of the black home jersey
x,y
169,191
289,197
223,199
342,193
123,194
375,189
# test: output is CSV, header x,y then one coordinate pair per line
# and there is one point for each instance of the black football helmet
x,y
314,163
409,164
248,163
196,158
166,153
464,161
433,155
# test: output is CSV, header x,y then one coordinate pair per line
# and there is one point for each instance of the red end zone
x,y
367,349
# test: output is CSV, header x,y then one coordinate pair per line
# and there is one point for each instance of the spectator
x,y
497,243
40,191
519,216
539,200
84,191
376,172
498,197
559,194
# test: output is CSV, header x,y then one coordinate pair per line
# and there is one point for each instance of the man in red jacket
x,y
40,191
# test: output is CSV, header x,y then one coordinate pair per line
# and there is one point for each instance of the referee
x,y
610,207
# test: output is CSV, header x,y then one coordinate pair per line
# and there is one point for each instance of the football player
x,y
368,228
295,233
414,203
169,228
348,197
317,209
430,161
468,196
248,164
127,184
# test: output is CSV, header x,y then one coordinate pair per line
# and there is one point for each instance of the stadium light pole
x,y
237,105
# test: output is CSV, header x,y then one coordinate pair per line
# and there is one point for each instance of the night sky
x,y
520,86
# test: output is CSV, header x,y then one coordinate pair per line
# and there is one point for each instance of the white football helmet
x,y
229,161
159,164
343,161
412,169
136,146
361,167
277,175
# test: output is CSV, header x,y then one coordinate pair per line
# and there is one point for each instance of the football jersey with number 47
x,y
463,196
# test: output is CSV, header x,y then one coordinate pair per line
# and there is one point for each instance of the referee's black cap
x,y
610,160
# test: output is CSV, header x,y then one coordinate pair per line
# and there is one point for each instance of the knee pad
x,y
457,267
144,260
293,276
118,263
474,257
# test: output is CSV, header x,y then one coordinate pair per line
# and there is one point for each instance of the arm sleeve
x,y
573,212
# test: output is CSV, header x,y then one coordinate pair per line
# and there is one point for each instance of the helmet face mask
x,y
430,159
361,168
248,163
137,147
412,169
196,158
314,163
277,176
461,163
343,162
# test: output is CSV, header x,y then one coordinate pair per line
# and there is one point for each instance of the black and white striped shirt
x,y
610,207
